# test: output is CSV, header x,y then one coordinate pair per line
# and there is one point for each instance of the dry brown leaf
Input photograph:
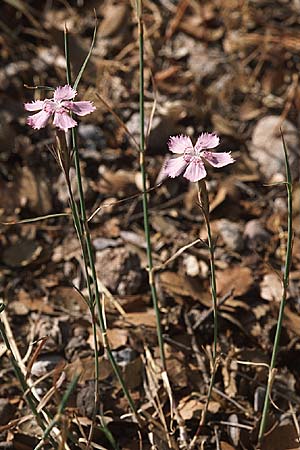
x,y
114,18
22,253
177,370
117,337
69,249
226,446
250,110
240,279
191,407
281,438
223,125
132,373
68,298
219,198
37,304
271,287
34,191
177,284
291,321
146,318
296,199
86,367
229,379
188,407
121,182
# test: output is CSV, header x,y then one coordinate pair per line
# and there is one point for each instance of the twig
x,y
176,254
205,315
118,119
195,348
122,200
235,425
181,8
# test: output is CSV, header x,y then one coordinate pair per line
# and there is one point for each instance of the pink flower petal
x,y
34,106
175,167
39,120
64,93
217,159
195,171
207,140
49,106
179,144
63,120
80,108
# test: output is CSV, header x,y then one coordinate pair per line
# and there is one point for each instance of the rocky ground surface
x,y
228,66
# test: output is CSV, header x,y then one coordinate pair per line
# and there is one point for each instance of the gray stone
x,y
120,270
45,363
256,237
267,148
231,234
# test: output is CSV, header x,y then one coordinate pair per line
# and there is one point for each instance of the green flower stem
x,y
204,202
86,244
78,227
286,275
91,304
78,224
79,231
144,186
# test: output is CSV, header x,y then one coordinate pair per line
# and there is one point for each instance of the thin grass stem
x,y
285,283
144,186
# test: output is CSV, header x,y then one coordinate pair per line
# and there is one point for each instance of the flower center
x,y
54,106
192,155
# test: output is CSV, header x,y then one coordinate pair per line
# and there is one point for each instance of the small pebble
x,y
45,364
191,265
125,356
267,148
231,234
255,235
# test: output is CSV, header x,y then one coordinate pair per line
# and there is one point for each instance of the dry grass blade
x,y
119,120
36,219
123,200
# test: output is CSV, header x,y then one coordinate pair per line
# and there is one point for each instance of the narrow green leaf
x,y
109,436
67,56
82,69
68,393
286,158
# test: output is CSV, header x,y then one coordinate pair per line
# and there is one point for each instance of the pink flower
x,y
193,157
60,106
